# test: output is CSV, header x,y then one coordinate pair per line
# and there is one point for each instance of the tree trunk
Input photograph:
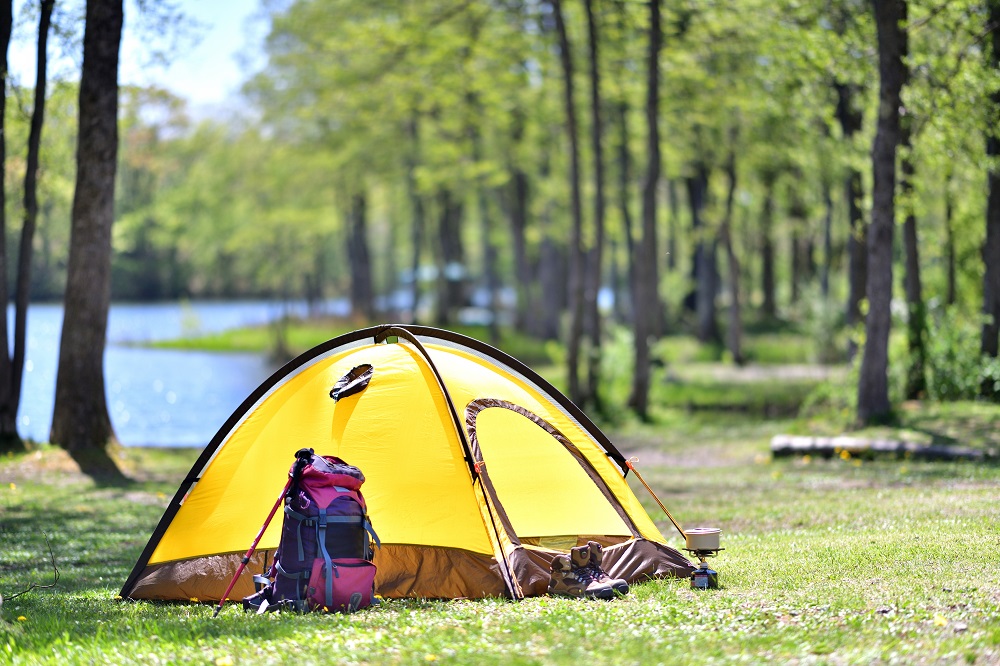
x,y
646,298
873,381
624,178
798,218
576,255
769,307
9,439
674,225
950,297
451,268
80,420
916,321
595,261
359,260
24,261
705,267
418,219
824,277
991,249
850,119
734,334
518,192
552,274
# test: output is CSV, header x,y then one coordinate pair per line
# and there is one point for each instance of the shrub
x,y
956,369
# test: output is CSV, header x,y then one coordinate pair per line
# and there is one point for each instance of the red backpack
x,y
324,556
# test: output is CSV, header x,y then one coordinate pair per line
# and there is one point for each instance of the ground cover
x,y
826,561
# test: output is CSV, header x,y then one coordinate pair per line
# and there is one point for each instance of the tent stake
x,y
631,465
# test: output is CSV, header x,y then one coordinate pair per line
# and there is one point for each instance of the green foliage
x,y
957,371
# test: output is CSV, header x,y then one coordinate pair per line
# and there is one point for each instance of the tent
x,y
478,473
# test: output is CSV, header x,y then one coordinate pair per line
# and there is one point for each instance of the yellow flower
x,y
224,661
845,455
940,620
21,618
13,486
195,600
806,459
430,657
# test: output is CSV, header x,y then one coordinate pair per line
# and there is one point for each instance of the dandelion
x,y
806,459
13,486
845,455
224,661
430,657
195,600
940,621
21,618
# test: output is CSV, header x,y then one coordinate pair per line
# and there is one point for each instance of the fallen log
x,y
828,447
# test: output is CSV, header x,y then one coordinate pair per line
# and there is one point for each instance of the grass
x,y
825,562
300,335
838,561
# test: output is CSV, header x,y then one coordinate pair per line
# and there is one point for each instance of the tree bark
x,y
798,218
949,243
624,178
734,333
916,321
674,225
576,254
873,381
9,439
80,421
646,298
23,289
359,260
451,264
595,259
705,266
518,196
990,338
849,117
769,307
418,220
824,277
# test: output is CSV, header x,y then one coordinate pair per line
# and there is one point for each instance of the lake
x,y
156,397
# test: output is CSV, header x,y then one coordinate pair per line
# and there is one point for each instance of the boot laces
x,y
597,573
588,574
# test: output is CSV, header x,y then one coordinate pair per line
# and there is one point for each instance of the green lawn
x,y
825,561
839,561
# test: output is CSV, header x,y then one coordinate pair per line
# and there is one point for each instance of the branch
x,y
36,586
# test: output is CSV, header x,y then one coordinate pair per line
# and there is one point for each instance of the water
x,y
155,397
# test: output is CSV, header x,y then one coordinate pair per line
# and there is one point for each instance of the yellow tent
x,y
478,473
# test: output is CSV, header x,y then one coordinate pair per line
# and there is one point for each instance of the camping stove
x,y
702,543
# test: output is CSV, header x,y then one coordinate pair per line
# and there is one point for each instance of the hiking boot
x,y
569,580
619,585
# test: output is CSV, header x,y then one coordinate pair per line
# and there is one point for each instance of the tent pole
x,y
302,458
631,465
253,547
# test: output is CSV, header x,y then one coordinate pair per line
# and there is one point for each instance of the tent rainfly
x,y
478,473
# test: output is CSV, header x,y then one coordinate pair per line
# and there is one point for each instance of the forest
x,y
570,169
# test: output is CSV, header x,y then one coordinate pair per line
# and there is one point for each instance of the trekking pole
x,y
631,465
302,458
